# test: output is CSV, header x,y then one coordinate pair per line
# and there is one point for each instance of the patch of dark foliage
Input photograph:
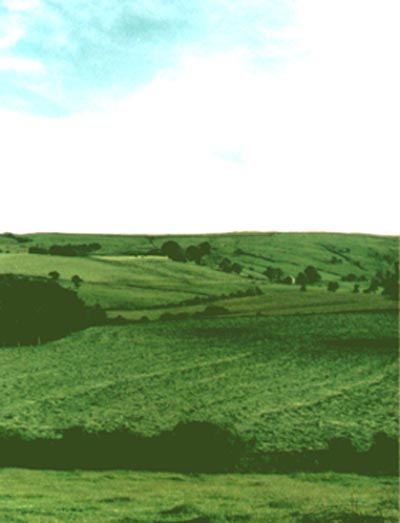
x,y
381,459
33,310
342,517
189,447
192,447
82,249
179,509
388,343
117,499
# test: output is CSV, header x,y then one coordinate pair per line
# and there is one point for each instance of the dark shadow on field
x,y
189,447
342,517
192,447
382,458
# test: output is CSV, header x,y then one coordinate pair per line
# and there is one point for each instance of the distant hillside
x,y
245,273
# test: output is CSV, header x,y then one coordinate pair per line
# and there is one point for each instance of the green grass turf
x,y
140,497
289,382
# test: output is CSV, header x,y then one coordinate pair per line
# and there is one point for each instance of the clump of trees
x,y
16,237
388,280
76,280
226,265
276,275
354,277
333,286
176,252
310,275
69,249
33,310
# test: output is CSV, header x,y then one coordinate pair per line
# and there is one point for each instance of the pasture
x,y
143,497
303,381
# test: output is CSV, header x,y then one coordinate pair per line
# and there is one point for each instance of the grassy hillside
x,y
288,382
126,278
285,369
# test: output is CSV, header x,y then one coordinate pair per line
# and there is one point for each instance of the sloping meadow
x,y
275,385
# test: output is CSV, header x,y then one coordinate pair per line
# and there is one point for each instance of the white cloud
x,y
12,35
317,142
20,65
20,5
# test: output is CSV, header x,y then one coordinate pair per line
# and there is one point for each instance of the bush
x,y
301,279
76,280
226,265
333,286
82,249
312,274
204,248
274,274
390,283
36,310
214,310
173,250
193,253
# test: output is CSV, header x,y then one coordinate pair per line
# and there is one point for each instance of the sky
x,y
169,116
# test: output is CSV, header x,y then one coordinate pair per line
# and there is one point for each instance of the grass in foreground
x,y
140,497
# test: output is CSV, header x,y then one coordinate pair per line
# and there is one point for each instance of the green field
x,y
126,281
140,497
285,371
291,382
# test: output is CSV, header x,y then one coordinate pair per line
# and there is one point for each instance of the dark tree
x,y
173,250
54,275
301,279
274,274
312,274
356,288
204,248
193,253
333,286
349,277
391,283
236,267
225,265
76,280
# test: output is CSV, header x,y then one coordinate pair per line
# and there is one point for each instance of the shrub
x,y
204,248
301,278
333,286
173,250
214,310
82,249
76,280
274,274
193,253
312,274
227,265
35,310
